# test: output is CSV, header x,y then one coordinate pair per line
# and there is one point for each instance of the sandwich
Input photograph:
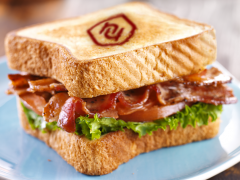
x,y
102,88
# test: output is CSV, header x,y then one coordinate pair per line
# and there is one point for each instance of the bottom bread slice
x,y
102,156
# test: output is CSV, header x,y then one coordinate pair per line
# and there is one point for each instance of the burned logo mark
x,y
113,31
111,35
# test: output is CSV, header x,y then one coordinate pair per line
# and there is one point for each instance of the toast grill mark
x,y
113,31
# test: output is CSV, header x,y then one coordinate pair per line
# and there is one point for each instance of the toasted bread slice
x,y
102,156
116,49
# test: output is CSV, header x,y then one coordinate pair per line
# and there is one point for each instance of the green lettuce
x,y
37,122
93,128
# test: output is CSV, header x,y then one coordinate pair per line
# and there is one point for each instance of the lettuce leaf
x,y
93,128
37,122
197,114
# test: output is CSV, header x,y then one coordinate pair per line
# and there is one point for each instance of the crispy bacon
x,y
21,80
174,92
49,98
46,85
17,91
133,100
104,106
53,108
102,103
206,77
41,85
33,102
21,84
57,87
137,99
72,108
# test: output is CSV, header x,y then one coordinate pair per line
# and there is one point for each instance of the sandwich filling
x,y
189,100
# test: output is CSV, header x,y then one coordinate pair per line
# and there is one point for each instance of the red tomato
x,y
153,113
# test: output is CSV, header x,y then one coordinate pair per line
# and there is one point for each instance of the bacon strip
x,y
159,100
137,99
17,91
133,100
206,77
21,80
102,103
57,87
174,92
72,109
33,102
21,84
46,85
53,108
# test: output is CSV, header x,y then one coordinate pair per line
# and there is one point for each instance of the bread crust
x,y
102,156
129,69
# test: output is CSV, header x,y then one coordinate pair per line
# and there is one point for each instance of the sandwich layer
x,y
64,50
102,156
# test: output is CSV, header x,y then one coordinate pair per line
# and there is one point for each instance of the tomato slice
x,y
153,113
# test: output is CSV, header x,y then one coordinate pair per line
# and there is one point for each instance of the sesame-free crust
x,y
163,47
102,156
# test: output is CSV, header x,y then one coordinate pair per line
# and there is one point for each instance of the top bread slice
x,y
153,47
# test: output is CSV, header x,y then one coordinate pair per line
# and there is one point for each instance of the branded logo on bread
x,y
116,30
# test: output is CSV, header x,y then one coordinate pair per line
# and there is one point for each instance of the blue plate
x,y
24,157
